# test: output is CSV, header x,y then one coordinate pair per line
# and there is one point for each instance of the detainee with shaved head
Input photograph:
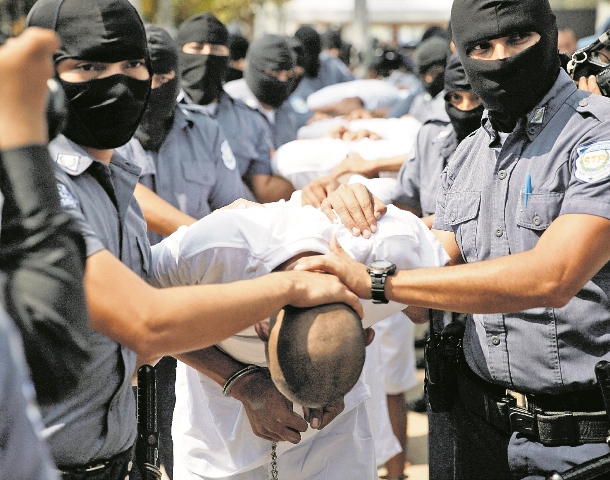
x,y
312,394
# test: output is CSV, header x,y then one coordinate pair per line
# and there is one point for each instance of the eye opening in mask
x,y
197,48
512,44
76,70
463,100
281,75
159,79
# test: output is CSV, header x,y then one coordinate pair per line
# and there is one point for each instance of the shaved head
x,y
316,354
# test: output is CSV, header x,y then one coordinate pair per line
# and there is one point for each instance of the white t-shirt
x,y
213,435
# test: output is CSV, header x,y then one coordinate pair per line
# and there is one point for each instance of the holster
x,y
442,354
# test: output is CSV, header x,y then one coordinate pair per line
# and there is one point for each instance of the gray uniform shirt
x,y
23,453
564,144
194,170
419,176
282,121
99,420
248,134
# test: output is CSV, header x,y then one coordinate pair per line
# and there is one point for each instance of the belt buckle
x,y
520,399
94,468
520,418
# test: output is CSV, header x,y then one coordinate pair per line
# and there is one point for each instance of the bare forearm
x,y
212,363
390,164
547,276
161,216
156,322
270,188
501,285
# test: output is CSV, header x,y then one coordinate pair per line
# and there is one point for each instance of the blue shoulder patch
x,y
66,199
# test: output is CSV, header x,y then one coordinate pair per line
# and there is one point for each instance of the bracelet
x,y
233,379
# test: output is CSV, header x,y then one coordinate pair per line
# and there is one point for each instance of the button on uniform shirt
x,y
237,244
98,421
195,169
282,121
419,176
564,146
23,453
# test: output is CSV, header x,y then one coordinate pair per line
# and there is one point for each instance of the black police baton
x,y
598,467
147,445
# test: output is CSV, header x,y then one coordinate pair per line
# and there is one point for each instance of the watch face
x,y
380,264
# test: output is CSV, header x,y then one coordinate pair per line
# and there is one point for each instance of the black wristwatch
x,y
379,270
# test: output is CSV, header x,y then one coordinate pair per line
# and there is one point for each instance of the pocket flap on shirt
x,y
541,210
461,207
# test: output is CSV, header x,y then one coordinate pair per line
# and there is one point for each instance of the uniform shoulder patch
x,y
299,105
227,155
593,162
70,162
66,199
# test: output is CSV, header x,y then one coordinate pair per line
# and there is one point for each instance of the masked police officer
x,y
524,204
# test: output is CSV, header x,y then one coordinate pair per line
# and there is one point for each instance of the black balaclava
x,y
238,46
102,113
511,87
431,53
331,39
158,117
312,46
464,121
202,75
273,53
298,55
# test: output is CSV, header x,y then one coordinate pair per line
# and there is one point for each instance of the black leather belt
x,y
541,418
100,469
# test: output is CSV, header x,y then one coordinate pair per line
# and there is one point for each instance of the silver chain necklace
x,y
274,461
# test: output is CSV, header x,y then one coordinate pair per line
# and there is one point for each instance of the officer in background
x,y
185,158
437,140
320,71
267,84
524,205
430,60
238,47
203,62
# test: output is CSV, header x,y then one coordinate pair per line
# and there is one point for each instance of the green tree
x,y
225,10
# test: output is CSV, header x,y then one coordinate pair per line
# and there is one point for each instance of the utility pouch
x,y
442,355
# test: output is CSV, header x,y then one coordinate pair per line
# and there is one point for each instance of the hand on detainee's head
x,y
509,52
316,354
102,65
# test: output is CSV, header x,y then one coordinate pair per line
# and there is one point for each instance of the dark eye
x,y
135,63
519,38
478,48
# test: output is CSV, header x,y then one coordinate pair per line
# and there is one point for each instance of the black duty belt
x,y
567,419
100,469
